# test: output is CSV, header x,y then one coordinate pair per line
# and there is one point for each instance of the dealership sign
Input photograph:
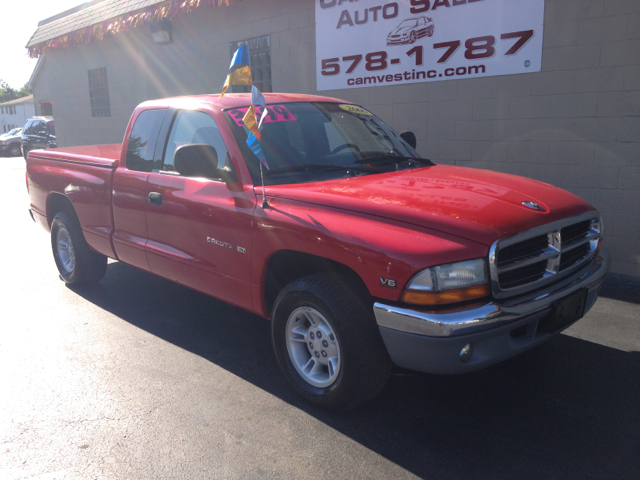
x,y
361,43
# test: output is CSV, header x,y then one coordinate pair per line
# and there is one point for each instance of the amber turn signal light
x,y
446,297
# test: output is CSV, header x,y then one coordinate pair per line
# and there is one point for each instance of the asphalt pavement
x,y
141,378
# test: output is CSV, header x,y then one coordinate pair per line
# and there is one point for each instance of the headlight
x,y
600,225
450,283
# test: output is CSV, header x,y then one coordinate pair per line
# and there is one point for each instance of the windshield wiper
x,y
316,167
389,159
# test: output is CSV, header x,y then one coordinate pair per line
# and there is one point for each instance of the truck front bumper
x,y
472,339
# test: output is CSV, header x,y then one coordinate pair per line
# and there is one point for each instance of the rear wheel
x,y
327,342
15,150
76,262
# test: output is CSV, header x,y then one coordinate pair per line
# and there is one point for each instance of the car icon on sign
x,y
410,30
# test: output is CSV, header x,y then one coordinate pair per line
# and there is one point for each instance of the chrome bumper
x,y
492,314
451,343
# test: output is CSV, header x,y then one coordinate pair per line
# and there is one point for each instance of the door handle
x,y
155,198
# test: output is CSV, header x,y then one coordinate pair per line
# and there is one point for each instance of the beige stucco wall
x,y
575,124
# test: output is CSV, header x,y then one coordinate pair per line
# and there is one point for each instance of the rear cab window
x,y
142,140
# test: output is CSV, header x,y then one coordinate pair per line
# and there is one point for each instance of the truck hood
x,y
479,205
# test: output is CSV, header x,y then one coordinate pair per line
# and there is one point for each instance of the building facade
x,y
15,113
575,123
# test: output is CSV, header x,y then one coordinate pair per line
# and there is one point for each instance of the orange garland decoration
x,y
165,11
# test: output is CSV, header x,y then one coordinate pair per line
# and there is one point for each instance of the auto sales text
x,y
388,11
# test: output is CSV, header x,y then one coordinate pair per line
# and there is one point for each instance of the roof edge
x,y
68,12
16,101
35,72
166,10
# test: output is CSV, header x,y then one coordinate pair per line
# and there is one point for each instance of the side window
x,y
39,127
193,127
142,141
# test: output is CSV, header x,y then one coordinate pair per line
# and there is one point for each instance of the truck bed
x,y
82,176
98,155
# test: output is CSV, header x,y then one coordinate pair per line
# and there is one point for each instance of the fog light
x,y
465,353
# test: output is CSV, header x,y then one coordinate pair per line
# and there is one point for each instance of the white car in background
x,y
10,143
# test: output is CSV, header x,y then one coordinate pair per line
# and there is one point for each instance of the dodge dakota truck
x,y
363,254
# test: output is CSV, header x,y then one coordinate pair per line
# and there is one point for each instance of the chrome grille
x,y
531,259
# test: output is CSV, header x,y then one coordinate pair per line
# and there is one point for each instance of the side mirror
x,y
410,138
201,160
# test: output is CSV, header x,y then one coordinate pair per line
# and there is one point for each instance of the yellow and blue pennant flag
x,y
239,70
240,74
250,119
256,148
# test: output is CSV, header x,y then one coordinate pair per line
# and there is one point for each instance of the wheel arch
x,y
56,203
285,266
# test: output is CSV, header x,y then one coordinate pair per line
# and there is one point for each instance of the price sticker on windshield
x,y
275,113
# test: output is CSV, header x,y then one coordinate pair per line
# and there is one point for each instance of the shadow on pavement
x,y
621,287
568,409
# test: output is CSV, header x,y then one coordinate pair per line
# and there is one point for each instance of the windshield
x,y
12,132
410,22
306,142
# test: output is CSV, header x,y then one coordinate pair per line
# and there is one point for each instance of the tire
x,y
15,151
25,152
430,31
327,342
76,262
412,37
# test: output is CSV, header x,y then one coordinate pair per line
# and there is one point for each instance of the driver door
x,y
199,229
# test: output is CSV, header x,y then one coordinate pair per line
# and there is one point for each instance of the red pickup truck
x,y
362,253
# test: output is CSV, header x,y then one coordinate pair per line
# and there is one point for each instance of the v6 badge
x,y
387,282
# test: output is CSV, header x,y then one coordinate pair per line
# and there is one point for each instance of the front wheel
x,y
327,342
76,262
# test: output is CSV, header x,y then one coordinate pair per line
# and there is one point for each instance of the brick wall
x,y
575,124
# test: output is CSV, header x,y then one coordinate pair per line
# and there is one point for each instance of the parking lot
x,y
141,378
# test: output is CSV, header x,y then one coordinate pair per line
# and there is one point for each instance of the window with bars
x,y
99,92
260,59
46,109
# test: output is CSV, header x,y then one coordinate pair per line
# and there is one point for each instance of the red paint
x,y
216,238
